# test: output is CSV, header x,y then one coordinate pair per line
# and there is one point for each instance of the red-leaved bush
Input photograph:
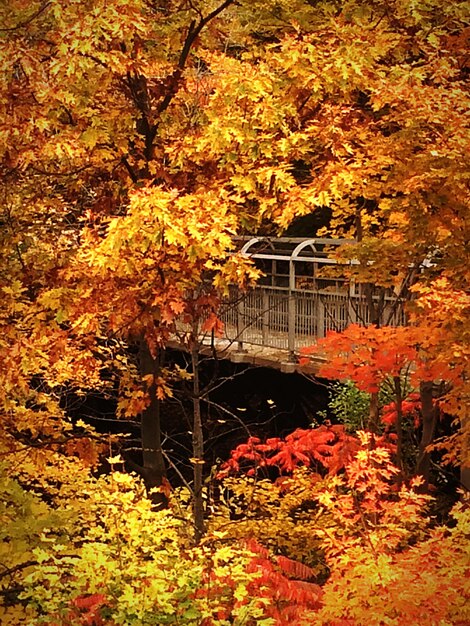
x,y
327,447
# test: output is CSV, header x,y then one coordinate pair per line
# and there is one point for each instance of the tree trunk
x,y
465,454
429,416
152,454
373,422
198,446
374,319
399,425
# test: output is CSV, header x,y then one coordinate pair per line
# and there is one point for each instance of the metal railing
x,y
290,319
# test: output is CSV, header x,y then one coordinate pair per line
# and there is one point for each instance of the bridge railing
x,y
289,319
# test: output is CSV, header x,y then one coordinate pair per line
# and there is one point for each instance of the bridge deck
x,y
268,326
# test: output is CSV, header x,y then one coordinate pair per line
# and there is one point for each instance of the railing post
x,y
240,321
352,310
265,317
320,317
291,325
291,310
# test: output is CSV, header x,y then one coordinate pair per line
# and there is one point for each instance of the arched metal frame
x,y
279,251
291,251
295,257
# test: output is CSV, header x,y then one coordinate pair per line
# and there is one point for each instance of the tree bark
x,y
399,424
373,422
198,446
153,461
429,417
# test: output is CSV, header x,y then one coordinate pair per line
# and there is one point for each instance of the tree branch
x,y
28,21
193,32
130,170
17,568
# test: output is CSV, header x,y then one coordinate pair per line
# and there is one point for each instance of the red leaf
x,y
87,603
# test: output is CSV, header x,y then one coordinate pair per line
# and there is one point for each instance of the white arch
x,y
252,242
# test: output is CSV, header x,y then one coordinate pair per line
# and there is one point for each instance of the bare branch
x,y
8,571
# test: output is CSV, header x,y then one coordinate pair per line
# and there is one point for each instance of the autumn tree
x,y
105,239
111,220
370,100
388,561
137,138
398,359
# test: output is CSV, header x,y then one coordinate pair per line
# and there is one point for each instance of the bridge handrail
x,y
289,319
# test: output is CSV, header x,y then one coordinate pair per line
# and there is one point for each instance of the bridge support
x,y
288,367
239,356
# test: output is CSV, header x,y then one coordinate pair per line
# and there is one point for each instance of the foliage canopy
x,y
136,139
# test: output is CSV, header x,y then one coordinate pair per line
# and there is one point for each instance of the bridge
x,y
304,292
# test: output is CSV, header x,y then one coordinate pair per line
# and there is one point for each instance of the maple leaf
x,y
213,324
